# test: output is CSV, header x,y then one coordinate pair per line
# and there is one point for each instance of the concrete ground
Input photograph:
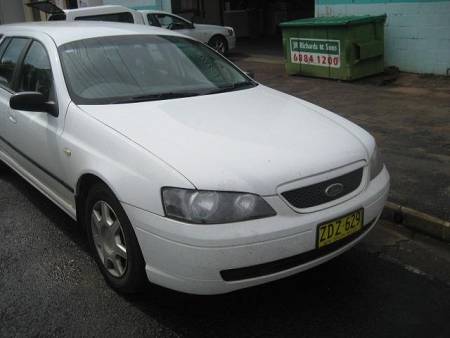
x,y
409,117
394,284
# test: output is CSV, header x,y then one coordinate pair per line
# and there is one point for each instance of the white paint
x,y
417,35
73,14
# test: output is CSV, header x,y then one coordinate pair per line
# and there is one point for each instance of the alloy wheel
x,y
219,46
109,239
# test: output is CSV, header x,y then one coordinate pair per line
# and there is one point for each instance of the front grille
x,y
313,195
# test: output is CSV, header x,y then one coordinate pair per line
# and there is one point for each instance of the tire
x,y
3,167
109,232
219,43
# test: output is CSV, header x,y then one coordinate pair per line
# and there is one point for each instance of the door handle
x,y
12,119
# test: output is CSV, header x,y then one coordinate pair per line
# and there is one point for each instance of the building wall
x,y
212,12
11,11
82,3
417,32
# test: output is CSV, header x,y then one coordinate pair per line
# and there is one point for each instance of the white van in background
x,y
220,38
112,13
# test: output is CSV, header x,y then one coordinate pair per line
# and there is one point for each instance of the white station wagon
x,y
183,170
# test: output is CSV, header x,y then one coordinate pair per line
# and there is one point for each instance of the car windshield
x,y
134,68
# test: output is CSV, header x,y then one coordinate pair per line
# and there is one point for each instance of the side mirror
x,y
33,101
3,81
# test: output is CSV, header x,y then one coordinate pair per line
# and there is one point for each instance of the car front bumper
x,y
231,42
198,259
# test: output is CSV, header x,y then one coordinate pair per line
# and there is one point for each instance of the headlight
x,y
212,207
376,163
230,31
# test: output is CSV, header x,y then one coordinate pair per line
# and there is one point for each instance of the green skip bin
x,y
344,48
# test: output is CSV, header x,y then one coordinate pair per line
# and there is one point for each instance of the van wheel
x,y
113,242
219,43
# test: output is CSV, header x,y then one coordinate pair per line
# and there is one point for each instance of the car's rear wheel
x,y
113,242
219,43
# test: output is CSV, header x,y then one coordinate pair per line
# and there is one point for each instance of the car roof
x,y
101,9
67,31
153,11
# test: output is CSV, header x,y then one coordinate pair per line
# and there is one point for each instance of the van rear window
x,y
115,17
57,17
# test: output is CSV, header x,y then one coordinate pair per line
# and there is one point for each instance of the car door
x,y
35,136
177,24
11,51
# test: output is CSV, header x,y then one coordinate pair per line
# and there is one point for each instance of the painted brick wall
x,y
417,33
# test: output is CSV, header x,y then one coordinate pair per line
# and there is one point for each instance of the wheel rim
x,y
109,239
219,45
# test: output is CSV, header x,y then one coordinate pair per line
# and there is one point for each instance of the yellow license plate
x,y
335,230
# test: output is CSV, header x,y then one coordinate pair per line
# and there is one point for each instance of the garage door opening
x,y
262,18
249,18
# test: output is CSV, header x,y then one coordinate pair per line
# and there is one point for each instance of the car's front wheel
x,y
3,166
219,43
113,242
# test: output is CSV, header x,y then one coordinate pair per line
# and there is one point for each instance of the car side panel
x,y
4,112
32,139
135,175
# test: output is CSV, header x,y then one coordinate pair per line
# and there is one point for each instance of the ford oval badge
x,y
334,189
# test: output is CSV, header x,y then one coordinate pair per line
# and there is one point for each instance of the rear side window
x,y
57,17
171,22
3,45
9,59
116,17
36,73
152,20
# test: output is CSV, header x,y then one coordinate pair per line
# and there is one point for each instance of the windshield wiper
x,y
155,97
175,95
234,86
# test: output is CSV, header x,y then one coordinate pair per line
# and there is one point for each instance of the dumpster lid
x,y
334,21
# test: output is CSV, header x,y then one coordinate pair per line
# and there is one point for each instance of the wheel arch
x,y
221,36
84,183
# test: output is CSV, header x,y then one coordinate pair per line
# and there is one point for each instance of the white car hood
x,y
250,140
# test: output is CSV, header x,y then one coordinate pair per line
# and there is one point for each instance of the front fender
x,y
134,174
